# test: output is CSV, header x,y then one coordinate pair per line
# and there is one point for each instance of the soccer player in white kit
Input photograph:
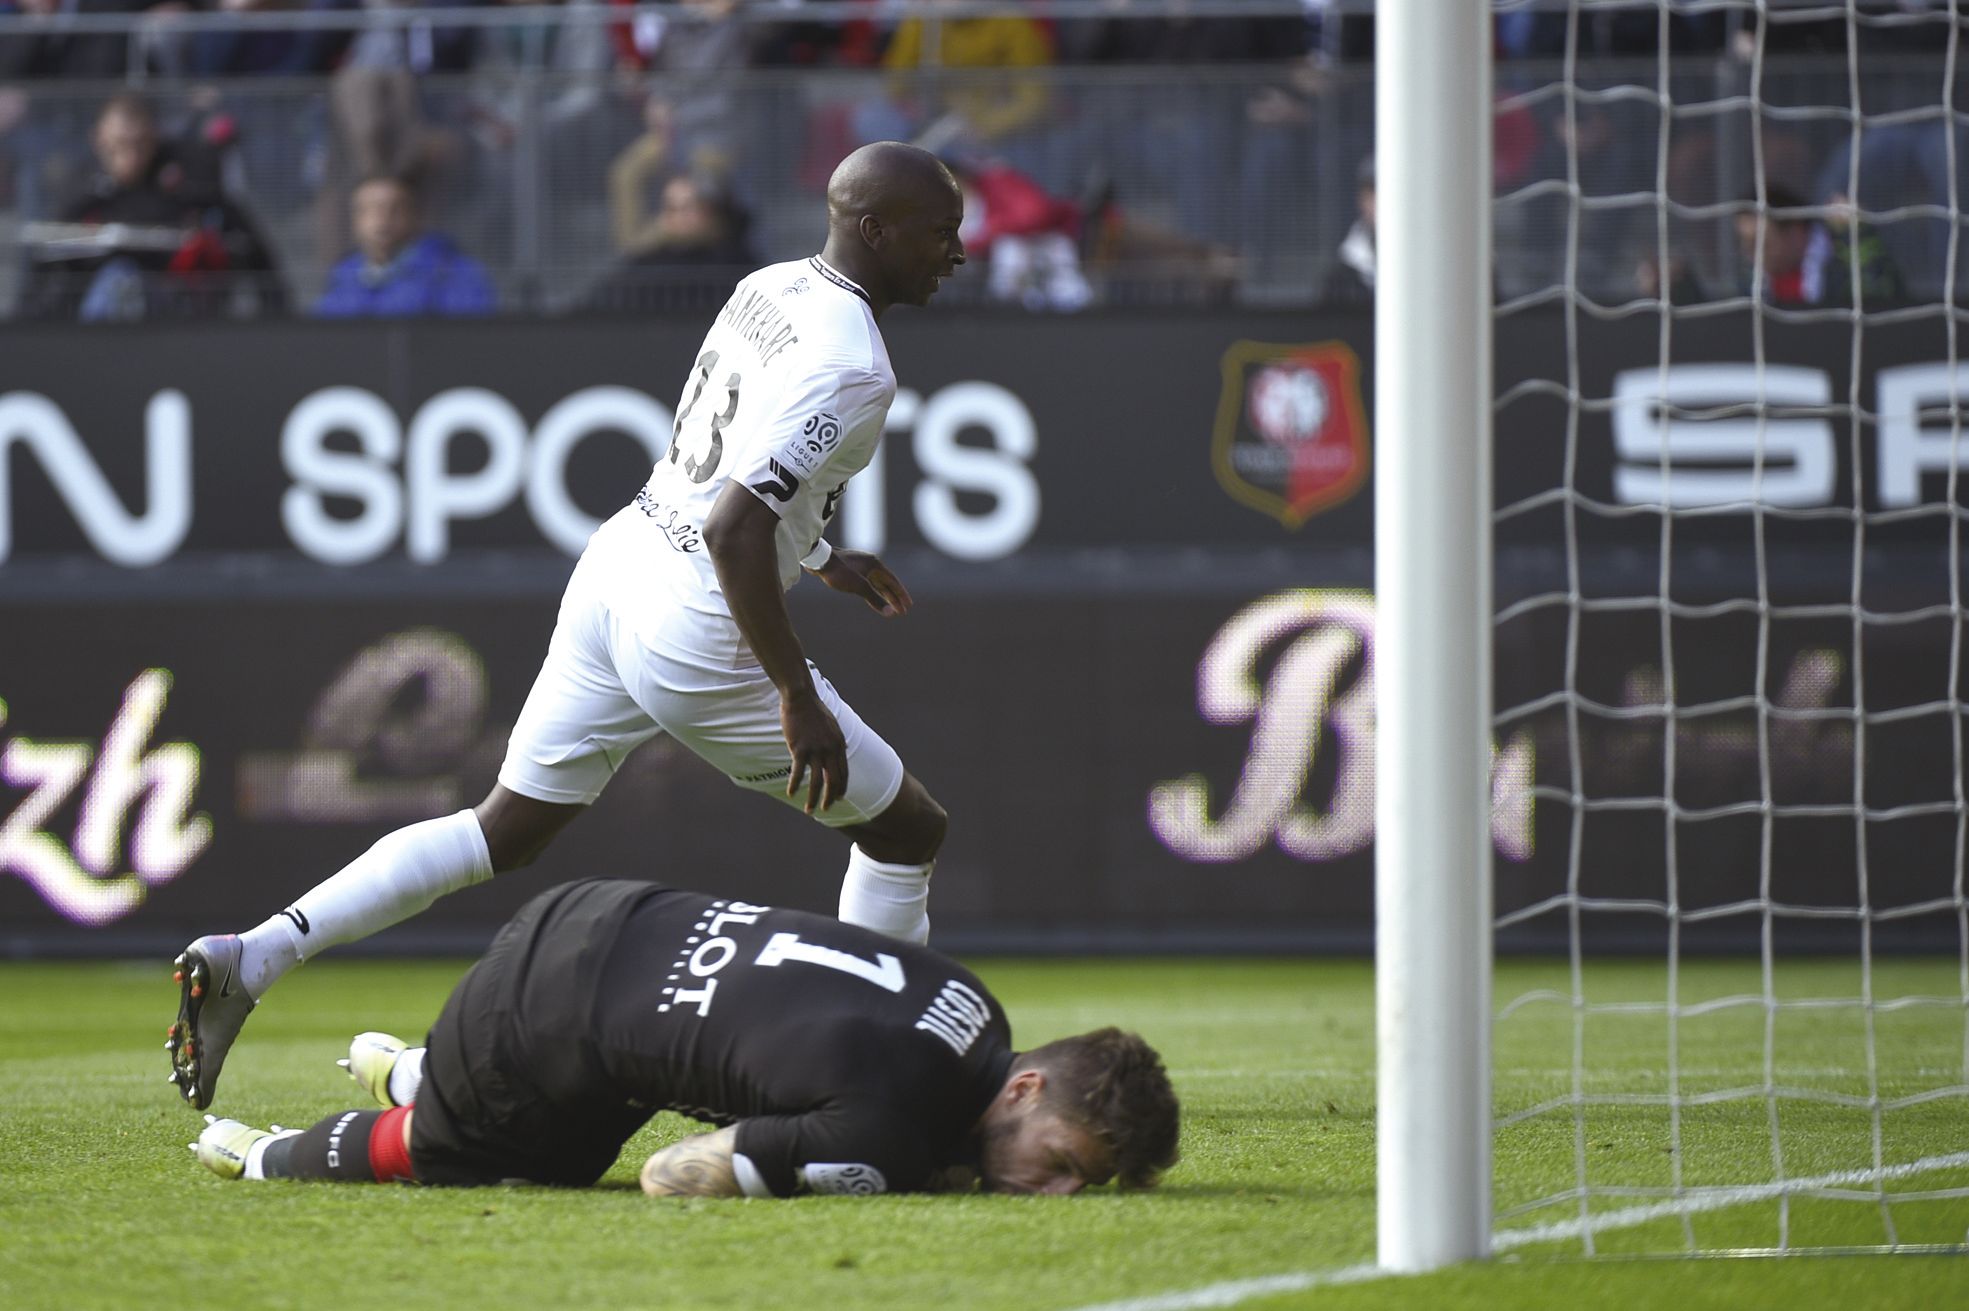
x,y
675,618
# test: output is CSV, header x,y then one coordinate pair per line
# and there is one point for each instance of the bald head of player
x,y
892,217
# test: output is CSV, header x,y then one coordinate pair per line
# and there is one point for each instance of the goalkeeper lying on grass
x,y
837,1061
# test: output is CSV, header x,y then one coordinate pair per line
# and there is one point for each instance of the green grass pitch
x,y
101,1205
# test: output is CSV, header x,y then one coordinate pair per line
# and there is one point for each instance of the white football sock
x,y
891,899
402,874
407,1076
267,952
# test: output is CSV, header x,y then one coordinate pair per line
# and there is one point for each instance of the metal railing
x,y
1196,184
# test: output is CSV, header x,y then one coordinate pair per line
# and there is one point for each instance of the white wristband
x,y
818,557
750,1181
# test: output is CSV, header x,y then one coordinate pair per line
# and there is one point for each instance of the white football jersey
x,y
787,396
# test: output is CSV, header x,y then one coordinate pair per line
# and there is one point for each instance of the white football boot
x,y
371,1058
223,1147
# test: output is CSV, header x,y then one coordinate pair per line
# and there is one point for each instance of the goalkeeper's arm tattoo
x,y
697,1166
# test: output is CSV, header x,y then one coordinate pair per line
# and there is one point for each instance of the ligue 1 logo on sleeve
x,y
1291,434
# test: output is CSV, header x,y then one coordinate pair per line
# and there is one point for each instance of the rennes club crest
x,y
1291,434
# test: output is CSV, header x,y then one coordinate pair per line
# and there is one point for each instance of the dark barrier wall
x,y
352,445
267,593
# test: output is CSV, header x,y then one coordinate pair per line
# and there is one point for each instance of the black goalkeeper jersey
x,y
851,1062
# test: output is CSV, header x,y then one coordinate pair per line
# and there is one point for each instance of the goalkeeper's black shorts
x,y
501,1083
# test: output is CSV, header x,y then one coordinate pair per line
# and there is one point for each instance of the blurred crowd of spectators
x,y
646,133
710,35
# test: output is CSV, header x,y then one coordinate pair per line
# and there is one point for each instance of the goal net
x,y
1730,279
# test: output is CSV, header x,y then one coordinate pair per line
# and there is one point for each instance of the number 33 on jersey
x,y
787,396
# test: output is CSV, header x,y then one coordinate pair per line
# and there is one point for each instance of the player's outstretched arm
x,y
860,574
739,537
697,1166
738,534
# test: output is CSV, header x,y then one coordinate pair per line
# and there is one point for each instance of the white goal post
x,y
1729,300
1433,631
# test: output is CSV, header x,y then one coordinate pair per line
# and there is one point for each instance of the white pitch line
x,y
1716,1199
1232,1292
1748,1073
1243,1290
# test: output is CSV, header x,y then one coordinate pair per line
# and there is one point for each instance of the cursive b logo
x,y
1300,704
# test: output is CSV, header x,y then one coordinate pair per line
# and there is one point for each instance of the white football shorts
x,y
604,690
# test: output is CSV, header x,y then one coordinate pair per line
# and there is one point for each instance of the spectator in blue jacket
x,y
397,269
